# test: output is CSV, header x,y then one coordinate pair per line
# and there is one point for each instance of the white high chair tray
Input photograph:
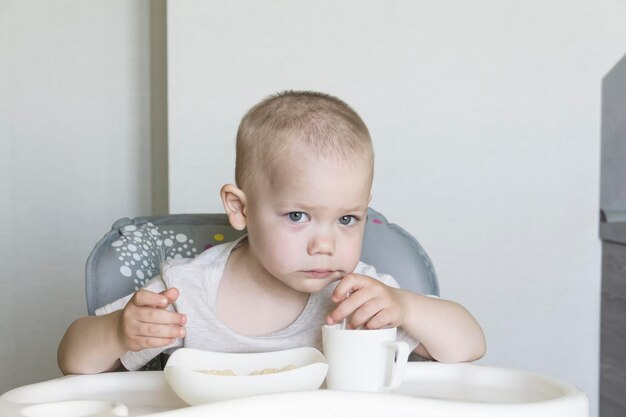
x,y
143,393
429,389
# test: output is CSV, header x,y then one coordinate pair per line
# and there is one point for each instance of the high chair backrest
x,y
132,251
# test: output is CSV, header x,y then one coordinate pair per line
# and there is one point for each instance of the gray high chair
x,y
131,253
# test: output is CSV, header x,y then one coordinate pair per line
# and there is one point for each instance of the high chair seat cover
x,y
133,250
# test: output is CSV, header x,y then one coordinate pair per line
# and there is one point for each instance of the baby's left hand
x,y
373,305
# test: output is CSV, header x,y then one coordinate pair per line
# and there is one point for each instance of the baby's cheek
x,y
282,253
352,256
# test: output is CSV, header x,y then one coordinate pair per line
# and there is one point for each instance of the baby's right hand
x,y
145,322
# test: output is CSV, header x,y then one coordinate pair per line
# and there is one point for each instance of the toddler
x,y
304,169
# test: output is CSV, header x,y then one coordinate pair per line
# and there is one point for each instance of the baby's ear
x,y
234,200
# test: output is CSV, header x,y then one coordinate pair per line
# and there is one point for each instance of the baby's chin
x,y
312,285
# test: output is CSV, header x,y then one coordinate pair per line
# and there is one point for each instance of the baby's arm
x,y
447,332
94,344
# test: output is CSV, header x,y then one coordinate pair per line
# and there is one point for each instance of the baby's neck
x,y
249,271
251,301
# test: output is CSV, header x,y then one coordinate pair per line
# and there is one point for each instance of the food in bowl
x,y
222,372
229,372
307,371
273,370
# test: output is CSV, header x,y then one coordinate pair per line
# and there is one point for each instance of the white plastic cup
x,y
363,360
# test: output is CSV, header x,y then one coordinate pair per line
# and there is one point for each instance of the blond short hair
x,y
301,120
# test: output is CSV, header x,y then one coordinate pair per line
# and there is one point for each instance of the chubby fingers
x,y
352,292
159,330
349,284
151,307
159,316
148,323
373,314
149,327
371,304
171,294
149,335
146,298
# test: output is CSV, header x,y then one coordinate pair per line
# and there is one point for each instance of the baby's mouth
x,y
320,273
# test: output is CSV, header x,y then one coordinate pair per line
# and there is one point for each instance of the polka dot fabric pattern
x,y
143,249
133,251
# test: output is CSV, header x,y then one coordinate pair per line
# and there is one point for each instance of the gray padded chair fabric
x,y
132,251
392,250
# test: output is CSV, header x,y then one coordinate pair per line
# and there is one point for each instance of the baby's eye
x,y
348,220
298,216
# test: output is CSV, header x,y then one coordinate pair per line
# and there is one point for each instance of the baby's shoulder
x,y
184,268
370,271
211,255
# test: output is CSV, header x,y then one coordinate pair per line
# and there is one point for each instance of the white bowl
x,y
194,387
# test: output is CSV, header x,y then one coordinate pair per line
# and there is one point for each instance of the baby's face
x,y
306,219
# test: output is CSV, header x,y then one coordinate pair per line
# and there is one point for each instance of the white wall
x,y
485,119
74,157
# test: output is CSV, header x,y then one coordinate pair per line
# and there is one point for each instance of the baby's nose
x,y
322,244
